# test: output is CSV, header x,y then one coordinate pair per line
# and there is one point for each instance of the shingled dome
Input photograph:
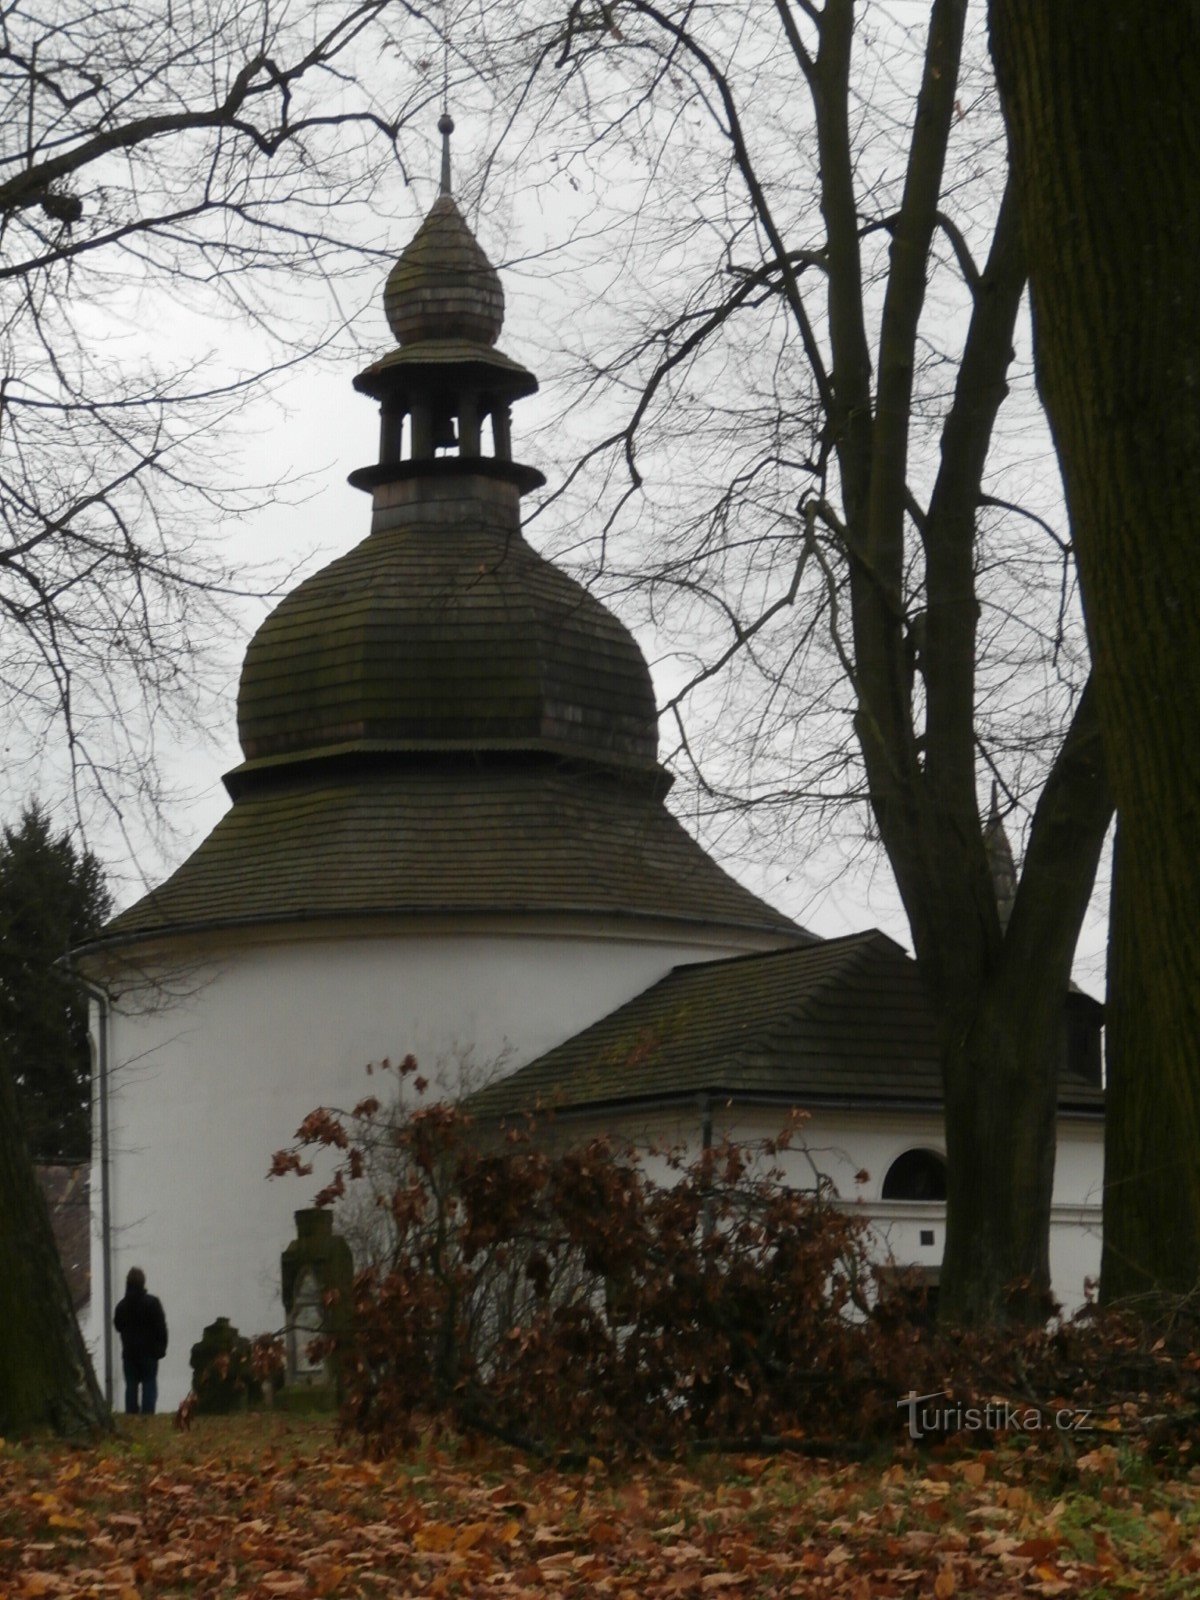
x,y
443,286
421,640
441,721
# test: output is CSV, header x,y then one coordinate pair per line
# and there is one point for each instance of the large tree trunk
x,y
1151,1201
1103,110
1001,1094
46,1379
1003,1042
913,572
999,995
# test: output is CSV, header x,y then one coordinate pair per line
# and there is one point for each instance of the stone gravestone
x,y
315,1265
220,1360
304,1324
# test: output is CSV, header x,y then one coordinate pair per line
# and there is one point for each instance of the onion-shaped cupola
x,y
443,286
445,392
444,630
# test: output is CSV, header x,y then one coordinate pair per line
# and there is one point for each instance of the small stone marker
x,y
220,1362
315,1265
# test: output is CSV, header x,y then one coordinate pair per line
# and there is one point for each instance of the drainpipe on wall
x,y
704,1105
100,996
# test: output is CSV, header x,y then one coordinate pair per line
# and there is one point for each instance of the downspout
x,y
706,1122
100,996
704,1105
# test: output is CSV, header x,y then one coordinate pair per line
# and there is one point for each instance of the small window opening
x,y
916,1175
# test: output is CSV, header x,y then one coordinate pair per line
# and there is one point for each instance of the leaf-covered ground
x,y
264,1508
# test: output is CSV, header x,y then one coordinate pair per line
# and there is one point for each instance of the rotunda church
x,y
447,836
448,839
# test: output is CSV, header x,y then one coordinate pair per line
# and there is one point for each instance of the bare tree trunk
x,y
1000,1125
905,559
1003,1041
46,1379
1103,112
1151,1221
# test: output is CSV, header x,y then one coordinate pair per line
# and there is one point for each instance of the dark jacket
x,y
142,1324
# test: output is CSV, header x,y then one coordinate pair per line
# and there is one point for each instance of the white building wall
x,y
842,1143
212,1070
212,1074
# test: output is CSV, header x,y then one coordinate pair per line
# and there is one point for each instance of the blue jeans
x,y
141,1373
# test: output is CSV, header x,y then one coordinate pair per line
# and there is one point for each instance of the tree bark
x,y
46,1378
1151,1209
1103,111
1000,1147
1000,996
1003,1042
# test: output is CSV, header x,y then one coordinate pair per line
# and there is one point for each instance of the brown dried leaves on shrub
x,y
562,1300
565,1300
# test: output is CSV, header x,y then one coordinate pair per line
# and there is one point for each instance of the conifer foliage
x,y
52,897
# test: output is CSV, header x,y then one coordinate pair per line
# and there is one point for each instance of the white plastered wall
x,y
212,1069
842,1143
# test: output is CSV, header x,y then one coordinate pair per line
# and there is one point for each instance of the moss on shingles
x,y
467,636
840,1019
464,835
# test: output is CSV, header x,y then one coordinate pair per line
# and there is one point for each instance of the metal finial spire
x,y
445,128
445,121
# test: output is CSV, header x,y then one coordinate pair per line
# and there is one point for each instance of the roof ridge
x,y
811,943
855,948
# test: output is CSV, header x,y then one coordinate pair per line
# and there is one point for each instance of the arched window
x,y
916,1175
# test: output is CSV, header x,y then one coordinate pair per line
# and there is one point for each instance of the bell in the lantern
x,y
445,435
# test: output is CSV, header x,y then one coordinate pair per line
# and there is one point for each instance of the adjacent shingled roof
x,y
459,837
460,637
839,1020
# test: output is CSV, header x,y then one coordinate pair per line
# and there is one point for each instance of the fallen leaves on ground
x,y
271,1509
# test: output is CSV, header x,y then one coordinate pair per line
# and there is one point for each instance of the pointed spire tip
x,y
445,128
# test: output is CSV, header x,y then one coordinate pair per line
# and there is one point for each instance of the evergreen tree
x,y
52,896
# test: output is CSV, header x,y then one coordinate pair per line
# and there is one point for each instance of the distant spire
x,y
446,128
1001,865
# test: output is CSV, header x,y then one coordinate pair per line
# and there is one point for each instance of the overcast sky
x,y
315,429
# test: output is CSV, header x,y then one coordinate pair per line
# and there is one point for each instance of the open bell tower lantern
x,y
445,392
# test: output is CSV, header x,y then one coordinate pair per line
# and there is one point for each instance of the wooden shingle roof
x,y
427,637
836,1021
449,836
443,286
440,721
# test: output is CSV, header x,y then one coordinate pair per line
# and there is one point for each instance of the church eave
x,y
361,756
726,1096
166,932
449,836
437,360
380,472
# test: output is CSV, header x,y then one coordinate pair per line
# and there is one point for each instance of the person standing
x,y
142,1324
